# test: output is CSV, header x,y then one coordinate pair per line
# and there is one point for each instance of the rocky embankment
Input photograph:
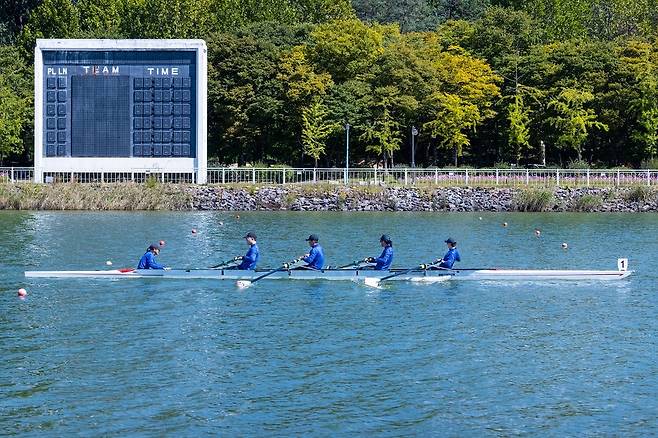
x,y
131,196
455,199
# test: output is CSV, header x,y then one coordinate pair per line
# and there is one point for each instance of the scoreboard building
x,y
129,107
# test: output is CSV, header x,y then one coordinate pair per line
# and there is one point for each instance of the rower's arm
x,y
153,263
385,256
312,255
251,255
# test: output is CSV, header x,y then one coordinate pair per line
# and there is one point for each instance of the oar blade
x,y
372,282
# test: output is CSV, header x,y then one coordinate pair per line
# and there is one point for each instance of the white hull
x,y
430,276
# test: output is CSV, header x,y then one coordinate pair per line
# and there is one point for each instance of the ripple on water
x,y
291,358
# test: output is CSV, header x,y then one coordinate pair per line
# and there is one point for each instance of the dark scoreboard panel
x,y
119,103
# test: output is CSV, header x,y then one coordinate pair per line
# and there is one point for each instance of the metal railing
x,y
437,177
538,178
16,174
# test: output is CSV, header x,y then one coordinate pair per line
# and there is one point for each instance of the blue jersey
x,y
315,257
450,258
250,260
148,262
385,259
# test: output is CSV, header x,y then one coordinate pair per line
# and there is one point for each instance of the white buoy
x,y
564,245
504,224
537,233
22,293
108,263
480,218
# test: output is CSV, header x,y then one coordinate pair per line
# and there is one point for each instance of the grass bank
x,y
72,196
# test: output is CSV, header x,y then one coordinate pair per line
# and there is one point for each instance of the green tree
x,y
15,103
639,72
418,15
382,134
101,18
463,94
51,19
346,49
573,120
518,116
249,118
453,116
316,127
13,17
170,18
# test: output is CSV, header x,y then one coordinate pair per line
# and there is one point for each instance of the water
x,y
145,358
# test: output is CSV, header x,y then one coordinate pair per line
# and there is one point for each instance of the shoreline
x,y
173,197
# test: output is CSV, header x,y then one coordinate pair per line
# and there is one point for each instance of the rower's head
x,y
312,240
250,237
452,243
155,249
385,240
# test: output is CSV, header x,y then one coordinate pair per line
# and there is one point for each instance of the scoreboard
x,y
120,106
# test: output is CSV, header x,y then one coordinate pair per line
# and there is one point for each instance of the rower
x,y
250,259
148,259
383,262
451,256
315,257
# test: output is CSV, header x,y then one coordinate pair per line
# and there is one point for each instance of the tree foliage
x,y
485,80
316,127
15,103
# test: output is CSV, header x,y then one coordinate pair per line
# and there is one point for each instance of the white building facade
x,y
120,107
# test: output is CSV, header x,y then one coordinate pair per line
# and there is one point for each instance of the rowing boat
x,y
416,275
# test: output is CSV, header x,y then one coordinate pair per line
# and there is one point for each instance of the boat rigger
x,y
358,275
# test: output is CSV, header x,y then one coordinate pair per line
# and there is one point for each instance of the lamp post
x,y
414,133
347,152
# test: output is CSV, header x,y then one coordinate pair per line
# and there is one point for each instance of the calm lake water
x,y
184,358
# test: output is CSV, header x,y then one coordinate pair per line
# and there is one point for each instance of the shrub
x,y
289,199
640,194
534,200
151,182
578,164
650,164
588,202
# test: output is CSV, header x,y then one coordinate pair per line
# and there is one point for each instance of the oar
x,y
374,282
227,262
243,284
354,263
